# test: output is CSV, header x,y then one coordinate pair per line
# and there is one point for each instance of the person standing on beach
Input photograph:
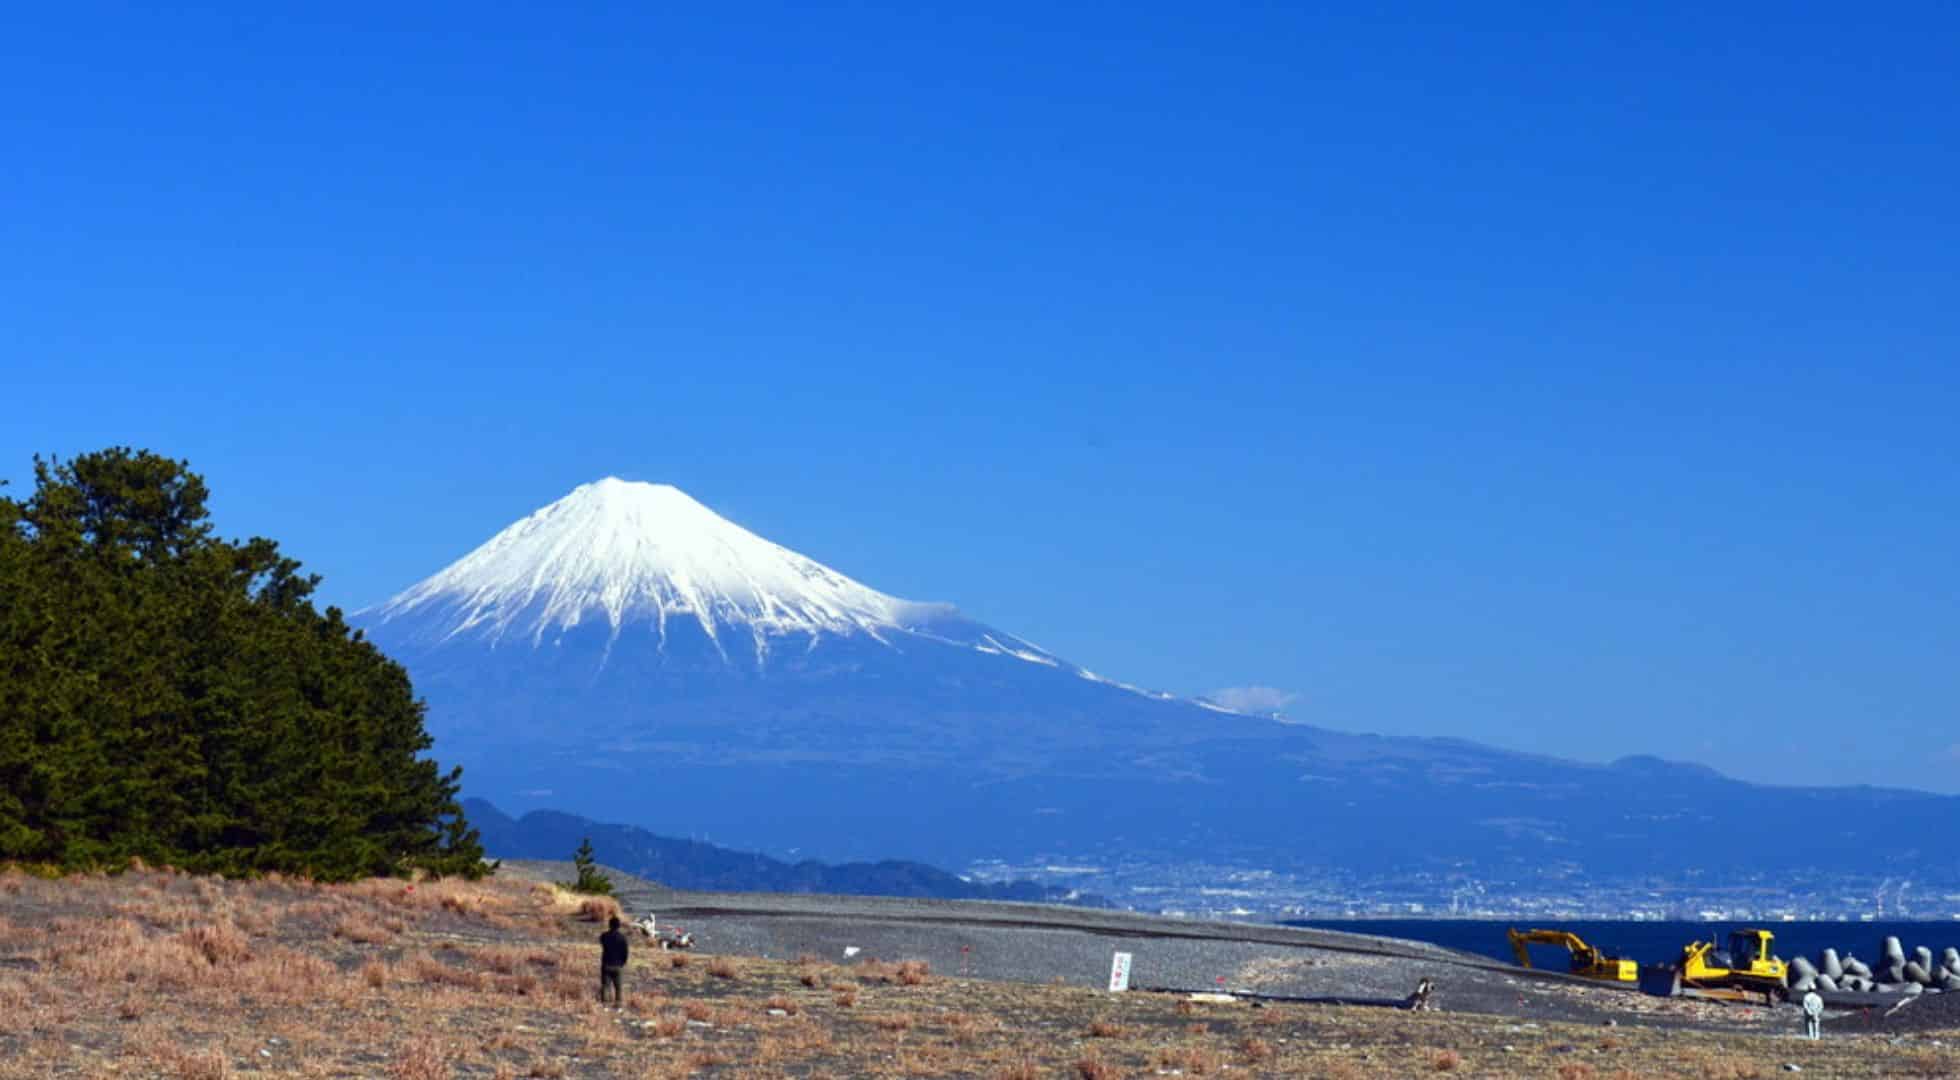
x,y
612,962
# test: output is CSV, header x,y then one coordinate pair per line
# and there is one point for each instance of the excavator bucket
x,y
1660,980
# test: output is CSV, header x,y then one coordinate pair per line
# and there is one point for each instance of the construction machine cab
x,y
1747,947
1749,963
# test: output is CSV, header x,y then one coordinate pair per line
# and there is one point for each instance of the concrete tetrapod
x,y
1901,971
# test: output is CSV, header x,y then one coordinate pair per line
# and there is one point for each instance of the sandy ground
x,y
1046,944
157,974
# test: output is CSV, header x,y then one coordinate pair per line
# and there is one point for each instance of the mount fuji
x,y
629,655
674,587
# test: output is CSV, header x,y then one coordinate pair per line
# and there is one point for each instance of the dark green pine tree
x,y
169,695
21,796
590,879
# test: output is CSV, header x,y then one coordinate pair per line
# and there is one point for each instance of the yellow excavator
x,y
1749,965
1587,961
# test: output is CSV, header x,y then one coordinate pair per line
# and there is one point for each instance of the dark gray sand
x,y
1039,943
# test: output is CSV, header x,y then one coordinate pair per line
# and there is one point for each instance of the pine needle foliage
x,y
590,879
175,697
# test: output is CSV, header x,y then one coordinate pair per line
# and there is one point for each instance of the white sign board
x,y
1119,973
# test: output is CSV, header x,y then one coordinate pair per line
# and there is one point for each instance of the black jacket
x,y
612,949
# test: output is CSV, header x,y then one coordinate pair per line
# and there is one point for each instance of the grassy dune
x,y
152,973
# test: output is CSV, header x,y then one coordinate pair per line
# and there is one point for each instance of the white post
x,y
1119,973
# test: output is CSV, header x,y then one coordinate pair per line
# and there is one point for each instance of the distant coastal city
x,y
1215,891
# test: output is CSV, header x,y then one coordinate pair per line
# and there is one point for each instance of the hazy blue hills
x,y
689,864
627,655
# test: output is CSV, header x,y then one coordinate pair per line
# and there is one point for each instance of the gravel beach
x,y
1039,943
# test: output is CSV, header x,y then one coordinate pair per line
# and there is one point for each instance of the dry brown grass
x,y
426,968
502,960
1190,1058
1105,1029
220,944
169,975
1711,1063
182,1064
967,1028
903,973
670,1026
1922,1062
721,967
421,1059
708,1059
807,1039
598,909
364,929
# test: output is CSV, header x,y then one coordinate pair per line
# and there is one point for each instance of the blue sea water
x,y
1653,942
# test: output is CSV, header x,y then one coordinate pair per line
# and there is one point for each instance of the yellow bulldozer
x,y
1750,966
1587,961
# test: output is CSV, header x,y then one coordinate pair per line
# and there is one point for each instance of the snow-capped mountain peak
x,y
622,551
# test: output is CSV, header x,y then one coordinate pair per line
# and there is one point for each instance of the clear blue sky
x,y
1577,381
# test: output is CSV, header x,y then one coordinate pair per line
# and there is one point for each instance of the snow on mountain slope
x,y
624,556
627,654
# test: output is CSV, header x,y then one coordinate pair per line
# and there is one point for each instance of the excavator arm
x,y
1520,944
1586,960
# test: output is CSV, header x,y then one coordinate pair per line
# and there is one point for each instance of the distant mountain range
x,y
628,655
689,864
